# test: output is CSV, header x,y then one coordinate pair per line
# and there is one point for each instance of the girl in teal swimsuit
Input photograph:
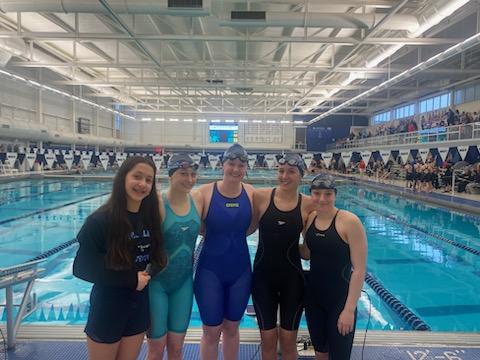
x,y
171,291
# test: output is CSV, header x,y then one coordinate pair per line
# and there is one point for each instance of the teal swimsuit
x,y
171,291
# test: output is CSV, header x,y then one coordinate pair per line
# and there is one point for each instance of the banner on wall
x,y
30,160
327,158
308,157
404,154
463,151
157,160
443,151
104,160
120,158
252,159
68,158
10,158
50,158
365,156
346,157
196,158
270,159
424,154
213,160
86,158
385,155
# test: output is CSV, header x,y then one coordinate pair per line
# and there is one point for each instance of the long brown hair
x,y
119,246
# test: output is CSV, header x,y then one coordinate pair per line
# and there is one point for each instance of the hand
x,y
345,322
143,279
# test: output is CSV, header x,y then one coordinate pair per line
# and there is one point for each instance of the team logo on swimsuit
x,y
185,228
232,205
281,222
320,234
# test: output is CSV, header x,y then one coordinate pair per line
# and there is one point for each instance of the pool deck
x,y
54,342
467,203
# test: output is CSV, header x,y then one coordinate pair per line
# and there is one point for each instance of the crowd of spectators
x,y
419,175
433,120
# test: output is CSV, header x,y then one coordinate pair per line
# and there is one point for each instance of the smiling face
x,y
288,177
323,199
138,185
234,170
183,179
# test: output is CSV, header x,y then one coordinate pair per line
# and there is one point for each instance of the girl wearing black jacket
x,y
117,242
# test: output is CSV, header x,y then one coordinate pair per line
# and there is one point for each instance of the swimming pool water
x,y
433,278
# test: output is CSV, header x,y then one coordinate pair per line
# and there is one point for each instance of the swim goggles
x,y
323,182
293,161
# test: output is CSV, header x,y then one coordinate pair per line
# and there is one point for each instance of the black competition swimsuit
x,y
277,271
327,290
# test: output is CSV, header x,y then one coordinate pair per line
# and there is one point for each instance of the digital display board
x,y
220,133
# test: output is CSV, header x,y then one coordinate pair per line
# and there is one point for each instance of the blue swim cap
x,y
236,151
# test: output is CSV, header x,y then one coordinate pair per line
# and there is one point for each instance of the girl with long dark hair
x,y
117,242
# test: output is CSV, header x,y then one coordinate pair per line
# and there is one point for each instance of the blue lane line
x,y
418,228
30,186
396,305
52,208
31,196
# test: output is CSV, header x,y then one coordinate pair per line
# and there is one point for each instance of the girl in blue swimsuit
x,y
171,291
223,277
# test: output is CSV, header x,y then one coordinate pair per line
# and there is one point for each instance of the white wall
x,y
472,107
25,107
196,135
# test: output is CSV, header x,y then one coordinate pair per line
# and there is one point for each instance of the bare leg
x,y
130,347
269,344
100,351
175,345
209,342
288,344
321,356
230,339
156,348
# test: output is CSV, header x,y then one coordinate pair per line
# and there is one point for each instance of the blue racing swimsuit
x,y
171,291
223,278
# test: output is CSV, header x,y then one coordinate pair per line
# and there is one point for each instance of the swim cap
x,y
236,151
323,181
293,160
180,161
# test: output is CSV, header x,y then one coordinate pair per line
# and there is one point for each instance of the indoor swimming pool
x,y
426,257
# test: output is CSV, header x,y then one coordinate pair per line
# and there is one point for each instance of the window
x,y
429,105
382,117
477,92
404,111
445,100
470,94
459,96
423,107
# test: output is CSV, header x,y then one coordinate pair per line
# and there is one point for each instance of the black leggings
x,y
322,325
271,289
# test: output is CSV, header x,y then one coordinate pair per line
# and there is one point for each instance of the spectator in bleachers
x,y
474,186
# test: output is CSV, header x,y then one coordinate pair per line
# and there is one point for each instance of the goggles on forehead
x,y
233,156
323,183
291,162
183,164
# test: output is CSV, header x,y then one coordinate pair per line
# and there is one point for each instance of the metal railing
x,y
15,275
441,134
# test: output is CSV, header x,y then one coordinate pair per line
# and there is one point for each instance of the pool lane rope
x,y
407,315
416,227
